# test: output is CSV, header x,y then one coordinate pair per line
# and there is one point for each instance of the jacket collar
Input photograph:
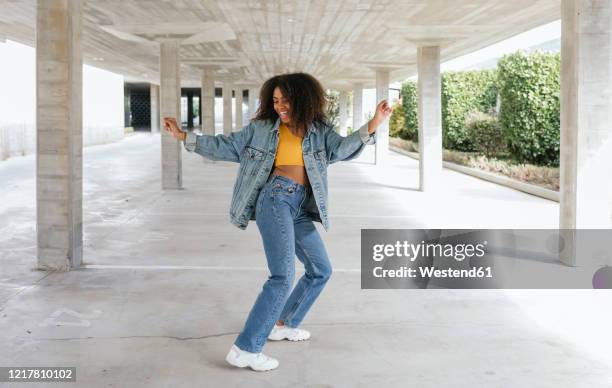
x,y
312,127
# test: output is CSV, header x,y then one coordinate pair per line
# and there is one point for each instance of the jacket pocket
x,y
253,159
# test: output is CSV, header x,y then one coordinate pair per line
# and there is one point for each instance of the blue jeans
x,y
286,231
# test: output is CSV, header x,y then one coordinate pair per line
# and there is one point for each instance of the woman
x,y
282,185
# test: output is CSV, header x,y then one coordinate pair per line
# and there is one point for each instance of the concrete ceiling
x,y
340,42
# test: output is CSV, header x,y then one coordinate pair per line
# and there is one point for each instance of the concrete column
x,y
155,123
189,109
357,106
172,176
382,133
586,113
208,103
343,105
238,109
253,101
59,140
227,108
430,117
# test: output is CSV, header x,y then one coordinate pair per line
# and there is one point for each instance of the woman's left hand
x,y
383,111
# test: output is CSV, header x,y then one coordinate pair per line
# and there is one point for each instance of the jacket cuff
x,y
190,141
366,138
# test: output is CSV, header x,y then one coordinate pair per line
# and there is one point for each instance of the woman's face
x,y
281,106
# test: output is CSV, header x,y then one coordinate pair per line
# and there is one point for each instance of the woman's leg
x,y
275,222
310,251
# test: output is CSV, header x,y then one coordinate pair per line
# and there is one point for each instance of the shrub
x,y
462,93
410,107
530,115
396,121
485,133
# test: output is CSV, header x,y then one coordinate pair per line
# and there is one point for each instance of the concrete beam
x,y
208,102
59,139
239,115
155,117
227,108
430,117
586,113
343,105
382,133
172,175
357,106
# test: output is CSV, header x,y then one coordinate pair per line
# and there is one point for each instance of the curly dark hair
x,y
305,94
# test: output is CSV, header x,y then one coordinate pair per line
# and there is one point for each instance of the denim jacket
x,y
254,147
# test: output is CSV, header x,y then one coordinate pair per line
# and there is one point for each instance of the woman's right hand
x,y
172,127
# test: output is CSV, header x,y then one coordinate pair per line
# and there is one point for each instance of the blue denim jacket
x,y
254,147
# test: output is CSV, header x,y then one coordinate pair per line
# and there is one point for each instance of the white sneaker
x,y
256,361
291,333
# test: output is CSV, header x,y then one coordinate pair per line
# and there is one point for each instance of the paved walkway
x,y
168,282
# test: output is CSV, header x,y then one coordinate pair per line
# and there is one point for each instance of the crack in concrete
x,y
24,288
221,334
218,334
140,336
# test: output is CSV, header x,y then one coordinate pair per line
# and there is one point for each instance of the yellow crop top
x,y
289,150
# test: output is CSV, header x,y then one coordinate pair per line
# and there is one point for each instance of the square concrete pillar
x,y
59,134
239,117
586,114
170,90
382,133
155,118
343,119
357,106
208,102
430,117
227,108
253,101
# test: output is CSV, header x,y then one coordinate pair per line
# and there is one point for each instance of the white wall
x,y
102,102
102,106
17,99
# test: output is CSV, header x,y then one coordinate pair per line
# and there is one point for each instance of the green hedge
x,y
462,93
396,121
410,108
530,115
528,87
485,133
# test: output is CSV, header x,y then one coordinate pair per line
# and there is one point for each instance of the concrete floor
x,y
168,282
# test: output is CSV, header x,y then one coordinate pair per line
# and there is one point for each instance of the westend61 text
x,y
432,272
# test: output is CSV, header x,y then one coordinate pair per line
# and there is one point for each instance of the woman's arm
x,y
341,148
218,147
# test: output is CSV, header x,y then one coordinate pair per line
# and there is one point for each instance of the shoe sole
x,y
290,339
238,365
